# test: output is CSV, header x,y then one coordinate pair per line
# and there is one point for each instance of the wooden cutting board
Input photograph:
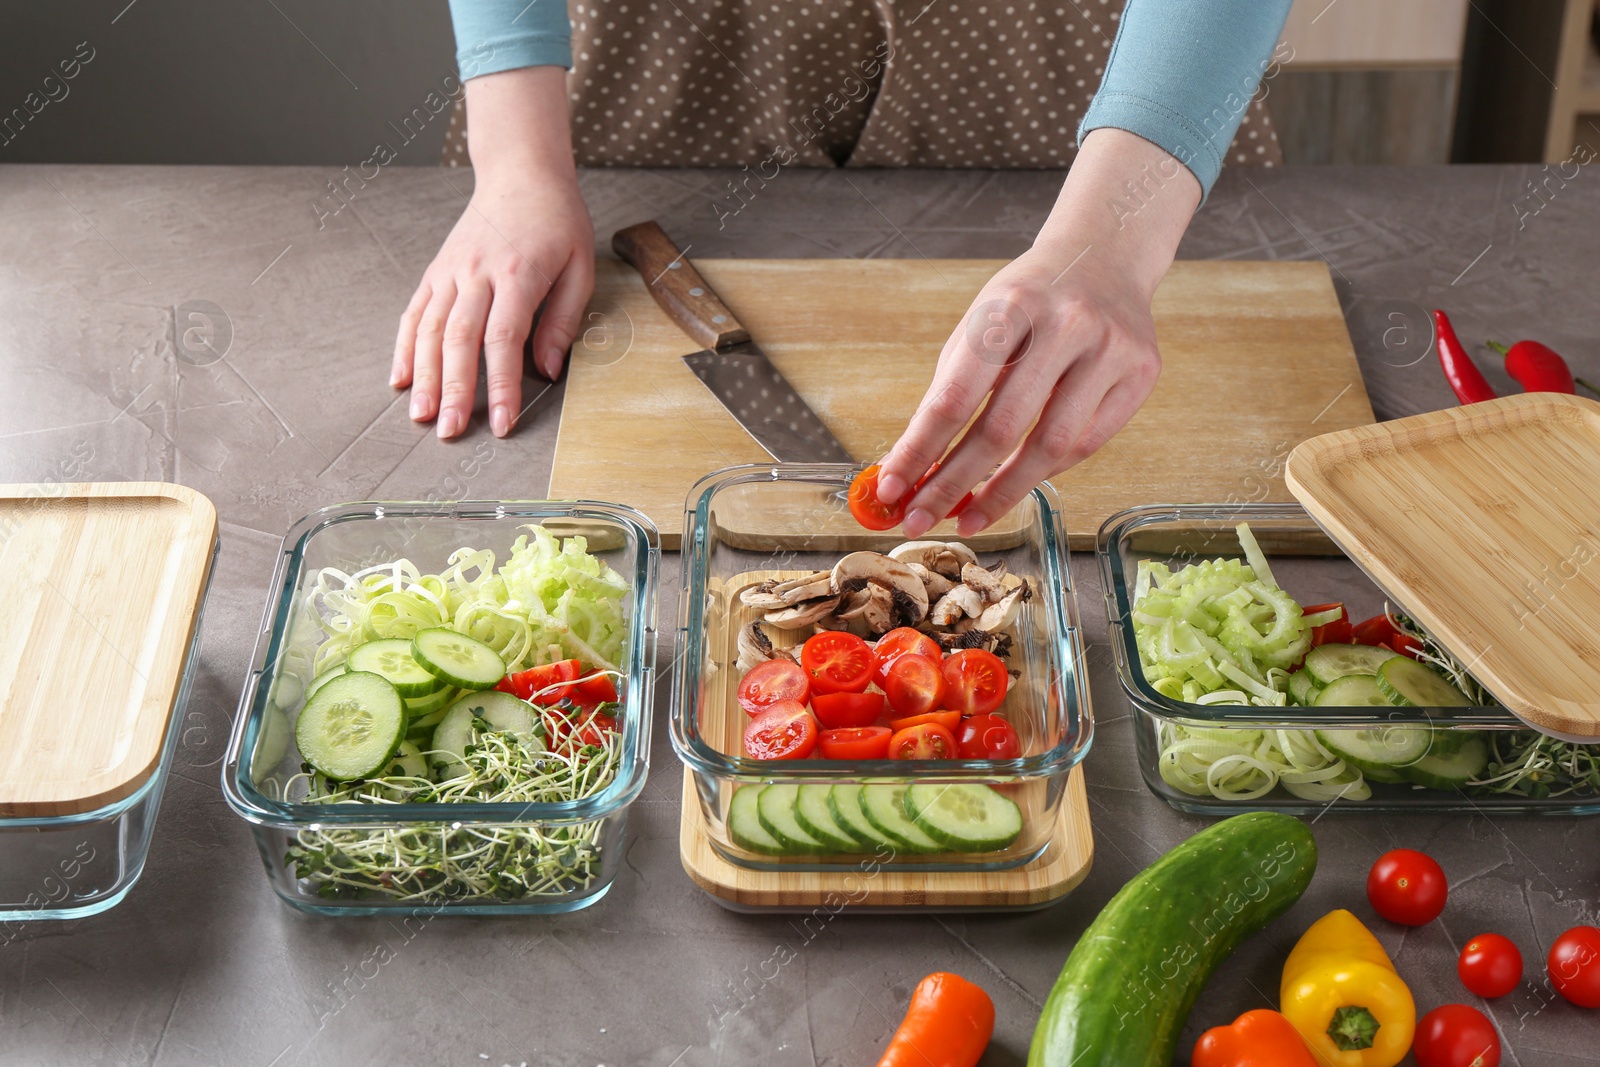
x,y
1256,359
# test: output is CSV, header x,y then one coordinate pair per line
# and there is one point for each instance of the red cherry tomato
x,y
987,737
928,741
1377,630
595,689
1407,887
1456,1035
838,711
1406,645
541,684
837,662
767,683
856,742
975,681
1490,966
868,510
896,643
786,730
947,719
1574,966
914,685
566,734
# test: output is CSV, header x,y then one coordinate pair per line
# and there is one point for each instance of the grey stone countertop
x,y
203,965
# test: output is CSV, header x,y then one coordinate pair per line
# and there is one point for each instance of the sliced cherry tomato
x,y
596,689
987,737
836,711
837,662
948,719
856,742
767,683
1377,630
593,728
868,510
975,681
541,684
1406,645
1490,966
1574,965
928,741
786,730
914,685
1456,1035
566,732
1407,887
896,643
961,505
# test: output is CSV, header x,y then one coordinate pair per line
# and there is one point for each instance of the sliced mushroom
x,y
754,646
987,585
961,602
772,593
942,557
999,615
881,570
876,609
857,626
803,614
935,583
999,644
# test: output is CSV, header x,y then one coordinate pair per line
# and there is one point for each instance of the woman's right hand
x,y
524,239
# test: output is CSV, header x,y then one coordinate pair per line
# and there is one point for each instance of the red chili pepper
x,y
1464,377
1538,367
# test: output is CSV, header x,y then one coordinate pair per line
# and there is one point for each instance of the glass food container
x,y
130,564
1169,730
454,858
746,524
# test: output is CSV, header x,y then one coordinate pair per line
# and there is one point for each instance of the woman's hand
x,y
524,239
1058,351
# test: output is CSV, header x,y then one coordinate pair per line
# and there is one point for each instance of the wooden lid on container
x,y
1483,523
100,586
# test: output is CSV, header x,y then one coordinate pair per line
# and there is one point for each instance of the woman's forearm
x,y
517,124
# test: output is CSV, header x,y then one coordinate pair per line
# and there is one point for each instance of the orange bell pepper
x,y
948,1024
1259,1038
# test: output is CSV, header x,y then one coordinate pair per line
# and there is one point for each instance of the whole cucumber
x,y
1125,992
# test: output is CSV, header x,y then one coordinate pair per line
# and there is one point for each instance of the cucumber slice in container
x,y
1329,663
421,707
1452,771
323,679
844,803
775,811
458,659
884,805
1352,691
507,714
1411,684
351,726
967,816
811,812
1380,750
744,823
391,658
407,761
1303,688
450,740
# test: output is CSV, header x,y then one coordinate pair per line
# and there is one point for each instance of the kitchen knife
x,y
736,371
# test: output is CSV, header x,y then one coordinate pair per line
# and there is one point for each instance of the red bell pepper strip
x,y
1259,1038
1465,378
1538,367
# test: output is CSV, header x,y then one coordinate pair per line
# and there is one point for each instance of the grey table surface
x,y
201,964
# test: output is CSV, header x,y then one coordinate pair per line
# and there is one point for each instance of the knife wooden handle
x,y
677,286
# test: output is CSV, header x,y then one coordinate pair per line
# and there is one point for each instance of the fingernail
x,y
394,378
449,423
500,420
970,522
918,522
419,407
891,487
552,363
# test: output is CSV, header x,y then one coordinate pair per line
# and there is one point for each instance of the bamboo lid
x,y
1483,523
101,584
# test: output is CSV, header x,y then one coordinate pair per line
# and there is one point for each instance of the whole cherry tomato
x,y
1574,965
1407,887
1490,966
987,737
1456,1035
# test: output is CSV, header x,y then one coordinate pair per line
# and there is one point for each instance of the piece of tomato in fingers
x,y
868,510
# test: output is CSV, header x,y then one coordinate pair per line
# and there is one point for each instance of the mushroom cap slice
x,y
935,583
943,557
985,582
874,606
802,614
999,615
961,602
879,569
772,593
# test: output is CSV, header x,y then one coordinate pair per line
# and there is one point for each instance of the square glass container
x,y
743,524
570,851
1319,573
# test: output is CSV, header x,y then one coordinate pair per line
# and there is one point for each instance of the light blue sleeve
x,y
1182,72
496,35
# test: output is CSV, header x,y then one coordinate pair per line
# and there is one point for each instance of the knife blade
x,y
732,366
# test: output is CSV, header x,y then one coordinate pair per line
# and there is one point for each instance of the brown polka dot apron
x,y
821,83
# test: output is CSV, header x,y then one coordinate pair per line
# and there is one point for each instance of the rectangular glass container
x,y
575,847
1179,534
746,523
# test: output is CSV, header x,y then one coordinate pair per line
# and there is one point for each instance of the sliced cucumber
x,y
1416,685
391,658
1378,750
421,707
744,823
967,816
351,726
844,804
1352,691
1386,775
1453,771
428,721
811,812
323,679
1303,688
1328,663
408,762
450,740
458,659
506,713
884,805
775,810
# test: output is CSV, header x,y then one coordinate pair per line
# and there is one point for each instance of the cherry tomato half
x,y
786,730
1456,1035
896,643
838,711
928,741
566,734
596,689
948,719
868,510
767,683
1574,965
856,742
975,681
914,685
987,737
1490,966
541,684
1377,630
1407,887
837,662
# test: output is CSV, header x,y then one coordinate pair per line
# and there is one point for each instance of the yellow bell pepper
x,y
1342,993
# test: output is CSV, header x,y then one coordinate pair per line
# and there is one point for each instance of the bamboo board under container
x,y
1483,523
1256,358
102,585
